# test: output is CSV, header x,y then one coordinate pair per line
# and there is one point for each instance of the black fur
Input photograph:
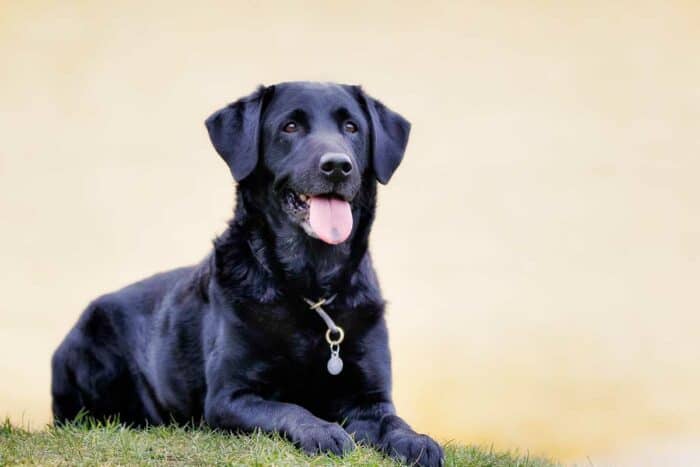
x,y
230,341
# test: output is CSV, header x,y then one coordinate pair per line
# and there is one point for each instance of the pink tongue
x,y
330,219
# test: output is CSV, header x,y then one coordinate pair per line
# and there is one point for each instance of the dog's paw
x,y
413,449
324,438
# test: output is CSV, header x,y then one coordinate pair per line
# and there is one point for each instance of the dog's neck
x,y
264,244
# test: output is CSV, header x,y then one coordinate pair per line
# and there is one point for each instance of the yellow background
x,y
539,246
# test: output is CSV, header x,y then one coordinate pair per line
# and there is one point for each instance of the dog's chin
x,y
326,217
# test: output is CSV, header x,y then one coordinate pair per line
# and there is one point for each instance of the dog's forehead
x,y
312,97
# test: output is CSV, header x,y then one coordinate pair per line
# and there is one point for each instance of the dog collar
x,y
335,364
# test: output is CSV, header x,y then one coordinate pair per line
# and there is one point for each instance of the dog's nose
x,y
335,165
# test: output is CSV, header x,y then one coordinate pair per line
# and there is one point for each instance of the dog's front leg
x,y
247,412
378,425
369,414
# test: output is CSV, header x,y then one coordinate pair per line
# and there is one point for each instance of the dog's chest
x,y
298,326
301,375
298,344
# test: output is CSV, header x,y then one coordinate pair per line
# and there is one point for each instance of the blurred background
x,y
539,246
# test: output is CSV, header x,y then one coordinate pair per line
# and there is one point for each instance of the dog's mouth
x,y
327,217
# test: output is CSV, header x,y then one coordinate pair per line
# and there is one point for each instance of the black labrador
x,y
281,327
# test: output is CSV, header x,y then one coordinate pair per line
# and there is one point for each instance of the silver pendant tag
x,y
335,364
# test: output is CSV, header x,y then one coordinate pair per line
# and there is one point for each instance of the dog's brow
x,y
296,113
342,113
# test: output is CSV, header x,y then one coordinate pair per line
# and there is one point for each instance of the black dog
x,y
233,340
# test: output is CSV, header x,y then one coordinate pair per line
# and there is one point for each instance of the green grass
x,y
113,444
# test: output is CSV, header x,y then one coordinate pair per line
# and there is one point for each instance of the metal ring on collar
x,y
340,338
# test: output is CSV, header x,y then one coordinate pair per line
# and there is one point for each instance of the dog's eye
x,y
351,127
290,127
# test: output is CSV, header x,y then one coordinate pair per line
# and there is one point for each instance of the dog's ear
x,y
389,136
235,132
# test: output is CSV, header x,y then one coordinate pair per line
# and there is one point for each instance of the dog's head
x,y
316,142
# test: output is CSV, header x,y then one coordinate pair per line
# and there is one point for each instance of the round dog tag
x,y
335,364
